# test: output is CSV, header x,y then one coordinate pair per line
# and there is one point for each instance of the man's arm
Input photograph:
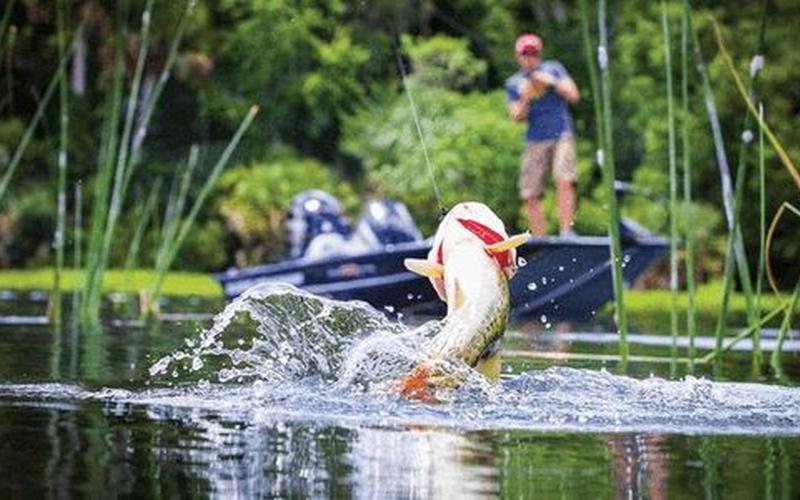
x,y
565,86
567,89
518,108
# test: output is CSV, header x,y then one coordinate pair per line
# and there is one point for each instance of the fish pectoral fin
x,y
458,296
509,243
424,267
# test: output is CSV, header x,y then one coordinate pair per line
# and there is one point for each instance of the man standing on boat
x,y
541,92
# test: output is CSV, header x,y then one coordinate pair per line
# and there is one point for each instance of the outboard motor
x,y
385,222
315,225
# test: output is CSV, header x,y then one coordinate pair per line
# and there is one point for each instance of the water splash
x,y
276,333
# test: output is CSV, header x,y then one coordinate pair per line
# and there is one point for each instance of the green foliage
x,y
443,61
27,231
300,64
474,150
253,200
204,248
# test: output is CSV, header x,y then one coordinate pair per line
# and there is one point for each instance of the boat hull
x,y
560,279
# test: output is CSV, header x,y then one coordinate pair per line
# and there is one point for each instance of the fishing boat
x,y
558,278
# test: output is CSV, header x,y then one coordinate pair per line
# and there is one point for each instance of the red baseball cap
x,y
528,43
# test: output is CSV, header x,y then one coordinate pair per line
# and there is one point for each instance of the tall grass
x,y
673,192
121,153
783,156
791,306
609,176
691,320
61,201
142,216
119,187
4,31
37,117
77,243
762,215
735,238
163,265
174,211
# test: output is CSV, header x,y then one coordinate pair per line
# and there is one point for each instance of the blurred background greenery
x,y
333,114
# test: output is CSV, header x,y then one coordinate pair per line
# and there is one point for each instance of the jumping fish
x,y
469,265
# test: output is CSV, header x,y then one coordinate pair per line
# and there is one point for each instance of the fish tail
x,y
416,385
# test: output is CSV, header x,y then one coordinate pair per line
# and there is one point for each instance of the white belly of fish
x,y
478,303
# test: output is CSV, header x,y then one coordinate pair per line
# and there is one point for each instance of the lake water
x,y
285,395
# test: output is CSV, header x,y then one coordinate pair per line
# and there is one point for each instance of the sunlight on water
x,y
278,354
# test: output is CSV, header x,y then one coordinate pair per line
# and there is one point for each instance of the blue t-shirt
x,y
548,116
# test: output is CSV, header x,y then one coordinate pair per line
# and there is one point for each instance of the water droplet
x,y
522,262
197,364
544,280
532,286
543,318
561,268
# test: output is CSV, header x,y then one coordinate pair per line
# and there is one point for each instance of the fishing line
x,y
442,208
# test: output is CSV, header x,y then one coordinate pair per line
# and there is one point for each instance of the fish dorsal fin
x,y
509,243
424,267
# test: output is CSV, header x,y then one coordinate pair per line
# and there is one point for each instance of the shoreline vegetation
x,y
642,301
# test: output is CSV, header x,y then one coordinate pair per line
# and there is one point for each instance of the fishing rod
x,y
434,184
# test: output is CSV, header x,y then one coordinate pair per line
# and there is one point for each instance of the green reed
x,y
77,243
37,117
121,153
609,177
58,240
142,216
595,86
9,46
118,190
727,188
743,334
673,191
169,255
691,316
4,22
174,210
108,147
762,215
791,307
736,235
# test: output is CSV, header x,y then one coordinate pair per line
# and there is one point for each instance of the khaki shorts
x,y
537,160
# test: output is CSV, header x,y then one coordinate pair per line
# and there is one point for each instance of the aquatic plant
x,y
9,170
173,239
691,321
609,176
673,191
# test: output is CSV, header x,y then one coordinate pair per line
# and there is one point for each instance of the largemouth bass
x,y
469,265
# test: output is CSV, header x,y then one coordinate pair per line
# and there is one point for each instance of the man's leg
x,y
565,173
535,212
565,199
535,166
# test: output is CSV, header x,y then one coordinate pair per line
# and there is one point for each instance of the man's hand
x,y
536,85
542,78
